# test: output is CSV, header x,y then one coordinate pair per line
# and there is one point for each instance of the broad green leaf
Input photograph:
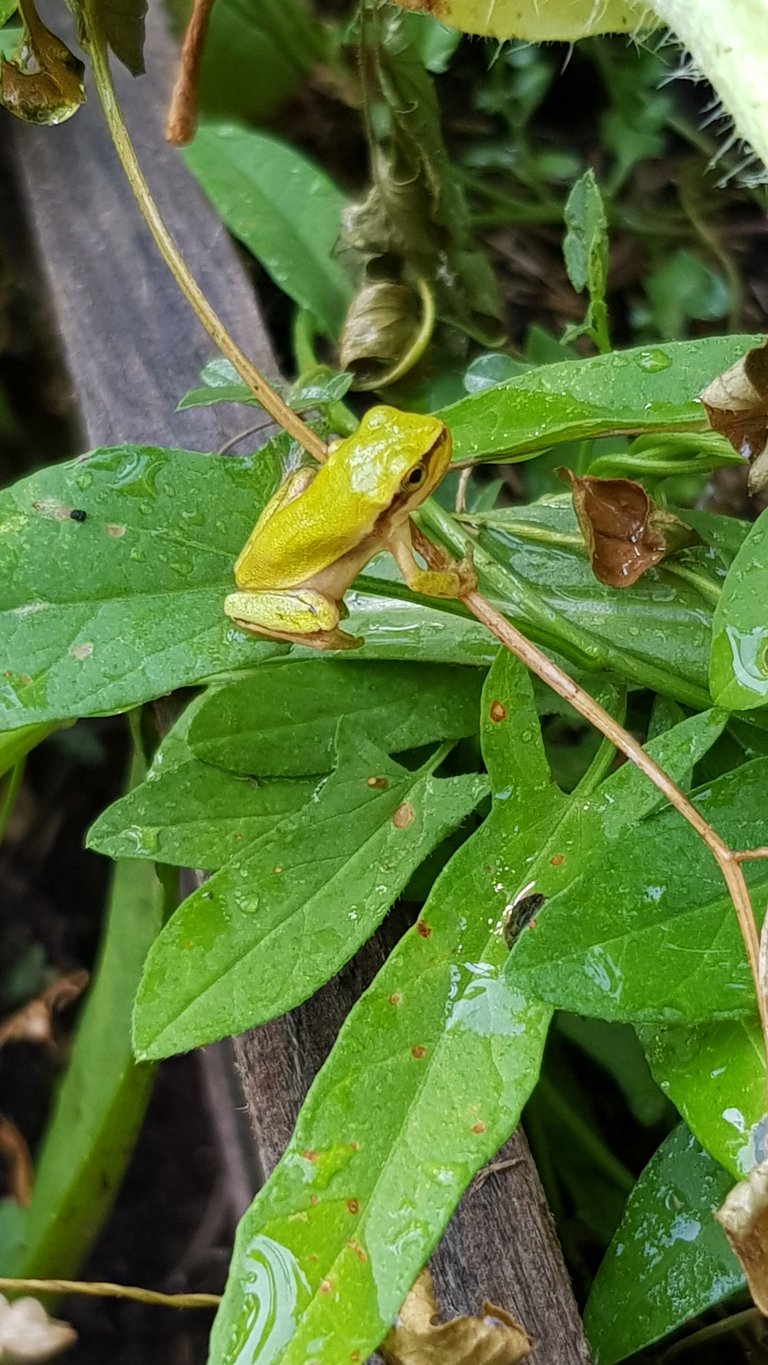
x,y
639,390
334,1240
11,39
282,917
739,671
669,1259
537,23
103,1094
650,935
282,207
715,1075
9,7
280,39
194,815
281,720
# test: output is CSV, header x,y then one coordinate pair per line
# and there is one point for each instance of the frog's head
x,y
396,459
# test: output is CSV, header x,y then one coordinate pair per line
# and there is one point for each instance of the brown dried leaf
x,y
33,1022
625,531
744,1216
736,404
28,1334
182,114
380,327
419,1338
14,1154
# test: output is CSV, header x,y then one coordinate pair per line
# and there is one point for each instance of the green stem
x,y
10,792
96,47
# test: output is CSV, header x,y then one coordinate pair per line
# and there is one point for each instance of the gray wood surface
x,y
132,346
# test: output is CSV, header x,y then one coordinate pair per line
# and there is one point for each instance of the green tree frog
x,y
323,526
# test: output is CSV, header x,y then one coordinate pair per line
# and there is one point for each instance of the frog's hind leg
x,y
302,617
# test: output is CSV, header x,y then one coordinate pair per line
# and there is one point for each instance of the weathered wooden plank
x,y
132,343
132,346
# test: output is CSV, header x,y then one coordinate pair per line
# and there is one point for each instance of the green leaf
x,y
739,669
282,207
11,39
281,720
650,935
669,1259
99,615
101,1102
194,815
715,1075
639,390
282,917
586,255
281,40
450,1047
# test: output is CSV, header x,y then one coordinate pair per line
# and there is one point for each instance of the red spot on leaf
x,y
498,712
361,1255
478,1127
379,782
314,1199
326,1286
309,1154
557,860
353,1205
418,1052
423,929
395,998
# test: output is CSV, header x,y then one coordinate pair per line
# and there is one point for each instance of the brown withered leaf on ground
x,y
625,531
33,1022
17,1164
736,404
744,1216
419,1338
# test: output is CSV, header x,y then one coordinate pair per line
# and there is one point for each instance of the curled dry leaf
x,y
744,1216
625,531
736,404
379,330
33,1022
15,1158
28,1334
419,1338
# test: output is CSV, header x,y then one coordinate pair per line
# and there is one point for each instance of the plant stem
x,y
95,45
8,798
104,1289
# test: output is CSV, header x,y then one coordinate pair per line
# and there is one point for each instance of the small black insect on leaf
x,y
77,514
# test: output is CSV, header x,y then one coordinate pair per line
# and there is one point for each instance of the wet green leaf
x,y
715,1075
650,934
334,1240
103,1095
194,815
282,917
669,1259
739,671
282,207
281,721
637,390
279,39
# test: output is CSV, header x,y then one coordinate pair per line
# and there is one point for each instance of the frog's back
x,y
306,535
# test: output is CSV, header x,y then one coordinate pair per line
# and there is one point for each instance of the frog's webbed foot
x,y
299,618
453,577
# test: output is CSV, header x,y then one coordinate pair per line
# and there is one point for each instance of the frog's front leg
x,y
301,617
455,580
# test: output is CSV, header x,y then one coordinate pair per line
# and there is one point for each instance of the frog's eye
x,y
414,477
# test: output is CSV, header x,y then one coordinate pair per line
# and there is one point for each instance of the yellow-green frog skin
x,y
323,526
